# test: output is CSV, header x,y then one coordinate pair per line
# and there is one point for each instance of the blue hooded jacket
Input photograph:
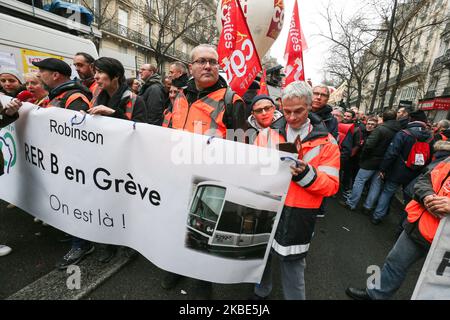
x,y
393,164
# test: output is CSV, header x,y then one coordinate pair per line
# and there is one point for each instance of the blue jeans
x,y
360,181
292,279
385,199
404,253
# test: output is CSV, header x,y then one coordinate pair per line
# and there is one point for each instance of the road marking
x,y
53,286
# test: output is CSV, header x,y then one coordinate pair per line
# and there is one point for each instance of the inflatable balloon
x,y
264,19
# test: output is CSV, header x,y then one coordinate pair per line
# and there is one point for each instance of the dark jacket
x,y
329,120
119,101
73,87
441,152
377,143
423,186
346,146
154,96
234,116
393,164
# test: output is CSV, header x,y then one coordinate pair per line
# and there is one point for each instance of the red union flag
x,y
237,53
263,85
294,50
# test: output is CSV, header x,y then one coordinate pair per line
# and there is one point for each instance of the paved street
x,y
345,244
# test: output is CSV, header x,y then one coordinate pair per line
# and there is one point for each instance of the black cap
x,y
54,64
418,115
261,97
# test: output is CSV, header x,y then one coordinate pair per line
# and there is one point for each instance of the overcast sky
x,y
311,23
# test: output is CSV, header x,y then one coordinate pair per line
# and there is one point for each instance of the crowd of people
x,y
339,151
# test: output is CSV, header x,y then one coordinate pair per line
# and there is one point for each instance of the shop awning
x,y
439,103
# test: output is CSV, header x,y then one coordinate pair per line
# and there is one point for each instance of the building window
x,y
123,22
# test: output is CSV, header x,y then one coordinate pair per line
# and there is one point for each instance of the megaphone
x,y
264,19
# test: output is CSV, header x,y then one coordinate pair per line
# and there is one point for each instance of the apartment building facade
x,y
425,74
130,30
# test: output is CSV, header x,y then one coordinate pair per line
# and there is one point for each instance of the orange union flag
x,y
237,52
294,50
263,84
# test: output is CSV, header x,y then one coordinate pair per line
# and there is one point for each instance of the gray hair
x,y
323,86
444,124
180,66
203,45
298,89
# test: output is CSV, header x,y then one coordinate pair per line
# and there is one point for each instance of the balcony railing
x,y
120,30
414,71
125,32
441,62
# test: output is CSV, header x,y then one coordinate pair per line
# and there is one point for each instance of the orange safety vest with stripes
x,y
428,223
204,116
69,97
322,180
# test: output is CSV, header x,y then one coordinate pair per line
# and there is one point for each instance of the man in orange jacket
x,y
432,203
206,106
315,175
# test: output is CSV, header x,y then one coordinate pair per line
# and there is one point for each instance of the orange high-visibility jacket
x,y
321,177
440,182
204,116
70,97
306,191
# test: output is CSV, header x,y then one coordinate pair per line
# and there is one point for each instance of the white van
x,y
22,42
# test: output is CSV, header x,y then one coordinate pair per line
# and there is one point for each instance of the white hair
x,y
298,89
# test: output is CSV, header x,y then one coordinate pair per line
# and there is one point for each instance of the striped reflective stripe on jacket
x,y
321,177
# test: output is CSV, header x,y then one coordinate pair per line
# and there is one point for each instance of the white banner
x,y
192,205
434,279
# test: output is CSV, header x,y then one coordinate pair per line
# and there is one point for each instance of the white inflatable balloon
x,y
264,18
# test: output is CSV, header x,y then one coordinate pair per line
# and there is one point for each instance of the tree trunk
x,y
401,68
383,58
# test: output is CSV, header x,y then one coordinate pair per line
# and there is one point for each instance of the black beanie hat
x,y
261,97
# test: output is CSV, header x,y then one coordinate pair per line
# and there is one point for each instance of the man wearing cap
x,y
394,169
266,122
68,94
63,92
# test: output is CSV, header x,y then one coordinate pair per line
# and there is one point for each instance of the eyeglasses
x,y
320,94
203,62
260,110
